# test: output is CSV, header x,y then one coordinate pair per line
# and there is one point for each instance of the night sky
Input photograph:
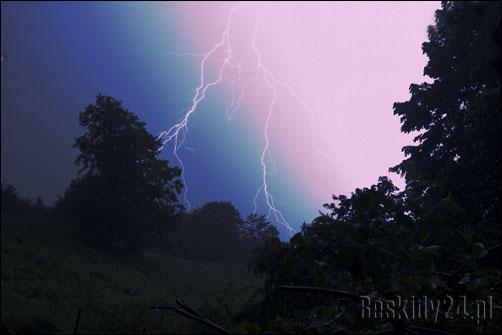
x,y
313,84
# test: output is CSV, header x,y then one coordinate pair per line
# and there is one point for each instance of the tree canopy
x,y
458,117
441,234
216,231
123,190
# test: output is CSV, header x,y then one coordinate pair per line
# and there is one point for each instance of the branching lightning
x,y
173,134
178,132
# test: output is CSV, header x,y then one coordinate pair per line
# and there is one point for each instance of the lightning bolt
x,y
266,148
178,132
173,134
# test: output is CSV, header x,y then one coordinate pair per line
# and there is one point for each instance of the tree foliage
x,y
14,204
216,231
458,150
123,191
441,234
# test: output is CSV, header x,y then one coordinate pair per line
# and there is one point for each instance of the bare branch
x,y
190,313
339,293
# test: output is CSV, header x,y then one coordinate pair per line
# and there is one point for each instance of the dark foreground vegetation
x,y
439,238
47,275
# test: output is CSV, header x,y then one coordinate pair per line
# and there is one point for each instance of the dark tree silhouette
x,y
123,190
441,235
458,115
256,231
211,232
12,202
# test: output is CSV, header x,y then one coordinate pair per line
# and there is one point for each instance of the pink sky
x,y
348,62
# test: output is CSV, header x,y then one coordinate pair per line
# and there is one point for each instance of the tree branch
x,y
339,293
190,313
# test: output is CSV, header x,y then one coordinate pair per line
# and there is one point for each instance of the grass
x,y
47,275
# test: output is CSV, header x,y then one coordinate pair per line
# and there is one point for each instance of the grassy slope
x,y
47,275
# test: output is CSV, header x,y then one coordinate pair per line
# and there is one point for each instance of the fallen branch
x,y
75,330
339,293
190,313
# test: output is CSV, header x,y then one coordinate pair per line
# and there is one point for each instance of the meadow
x,y
47,275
